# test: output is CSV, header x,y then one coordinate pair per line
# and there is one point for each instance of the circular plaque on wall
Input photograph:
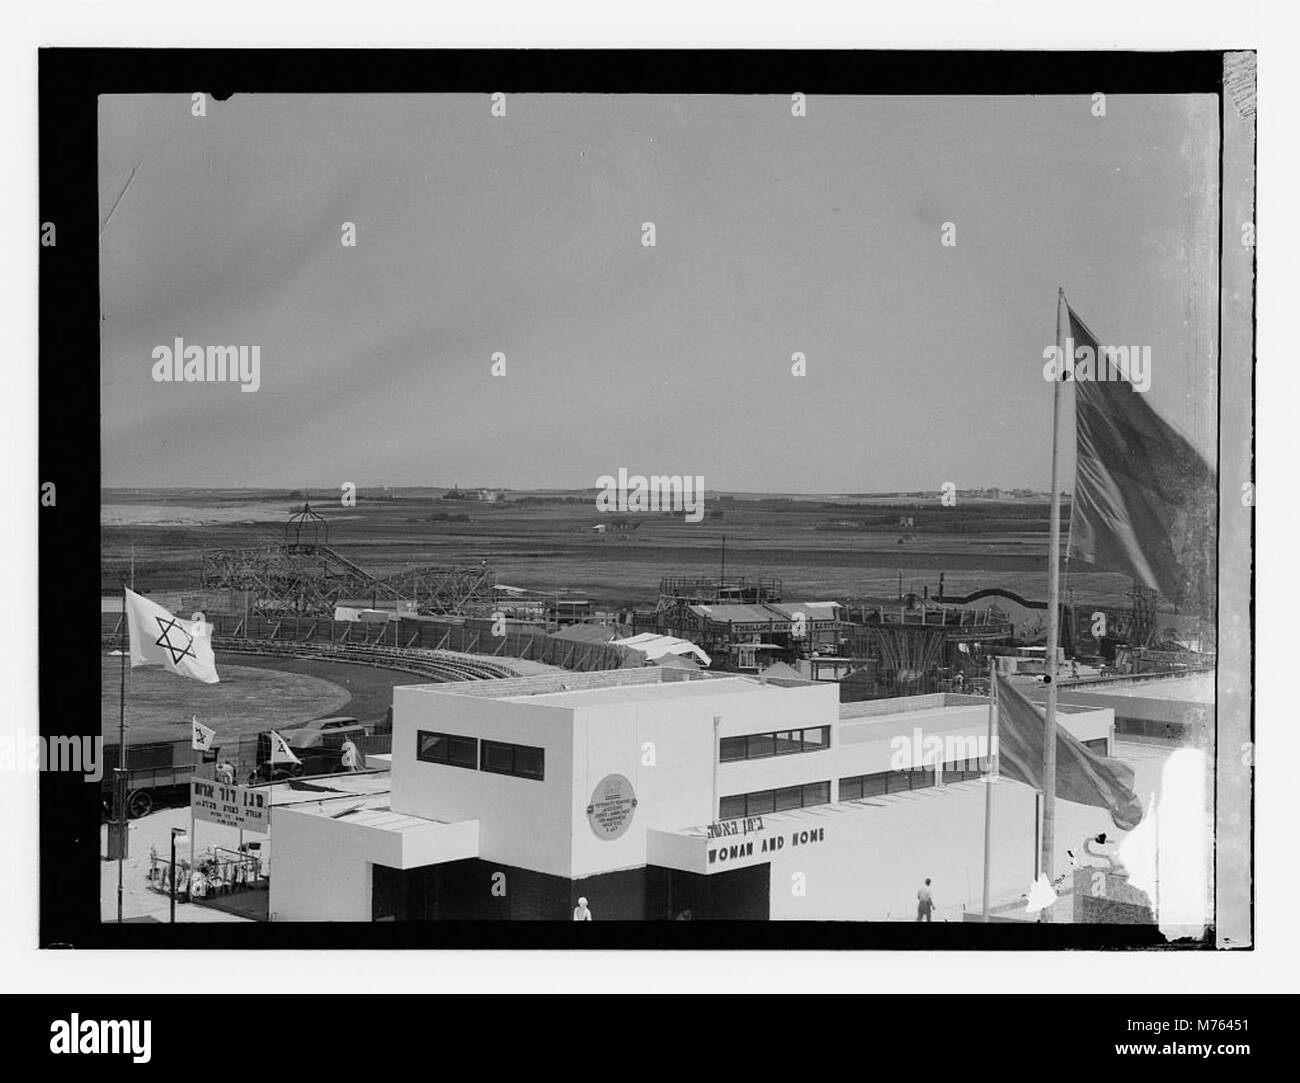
x,y
613,803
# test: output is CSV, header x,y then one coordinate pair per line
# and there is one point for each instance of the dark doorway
x,y
735,895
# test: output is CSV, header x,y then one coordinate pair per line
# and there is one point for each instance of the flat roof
x,y
1189,687
740,613
643,693
555,680
937,720
371,810
362,784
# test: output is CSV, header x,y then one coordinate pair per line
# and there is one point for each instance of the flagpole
x,y
990,778
189,886
1054,598
119,790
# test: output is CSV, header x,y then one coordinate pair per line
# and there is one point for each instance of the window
x,y
814,740
960,770
446,748
521,761
922,777
790,797
860,786
762,802
898,781
730,808
731,748
760,746
498,758
873,785
529,762
817,793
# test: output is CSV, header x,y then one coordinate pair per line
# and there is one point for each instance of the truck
x,y
158,773
318,745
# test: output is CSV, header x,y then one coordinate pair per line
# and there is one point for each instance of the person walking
x,y
924,902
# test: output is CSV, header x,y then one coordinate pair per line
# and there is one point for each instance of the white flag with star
x,y
280,750
202,735
158,638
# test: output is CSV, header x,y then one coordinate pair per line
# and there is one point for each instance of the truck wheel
x,y
140,803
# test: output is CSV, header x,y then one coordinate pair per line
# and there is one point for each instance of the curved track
x,y
433,664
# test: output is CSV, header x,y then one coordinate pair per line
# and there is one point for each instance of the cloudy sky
x,y
522,234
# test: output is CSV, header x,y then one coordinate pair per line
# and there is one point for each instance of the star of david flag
x,y
202,740
160,639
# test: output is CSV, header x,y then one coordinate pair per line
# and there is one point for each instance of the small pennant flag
x,y
280,750
202,735
158,638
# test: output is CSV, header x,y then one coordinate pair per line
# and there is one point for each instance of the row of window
x,y
917,778
763,801
759,746
851,789
496,757
859,786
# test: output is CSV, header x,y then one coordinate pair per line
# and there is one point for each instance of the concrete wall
x,y
665,751
776,709
870,864
522,821
322,869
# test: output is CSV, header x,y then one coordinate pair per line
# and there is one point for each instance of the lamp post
x,y
175,831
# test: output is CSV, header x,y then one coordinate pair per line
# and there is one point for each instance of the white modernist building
x,y
662,794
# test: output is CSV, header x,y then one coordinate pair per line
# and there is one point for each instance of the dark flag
x,y
1145,501
1081,775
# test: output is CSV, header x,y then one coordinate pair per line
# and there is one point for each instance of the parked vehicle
x,y
318,745
158,773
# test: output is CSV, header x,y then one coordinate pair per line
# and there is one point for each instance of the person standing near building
x,y
924,902
580,912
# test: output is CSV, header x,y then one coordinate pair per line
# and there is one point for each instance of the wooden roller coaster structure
x,y
306,576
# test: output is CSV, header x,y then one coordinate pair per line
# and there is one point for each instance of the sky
x,y
522,235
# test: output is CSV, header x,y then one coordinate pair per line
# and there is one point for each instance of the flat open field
x,y
247,700
822,548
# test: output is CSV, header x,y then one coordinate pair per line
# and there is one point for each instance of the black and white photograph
x,y
630,506
732,499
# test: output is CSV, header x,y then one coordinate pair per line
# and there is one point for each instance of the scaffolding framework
x,y
301,579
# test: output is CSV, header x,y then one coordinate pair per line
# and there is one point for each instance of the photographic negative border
x,y
70,81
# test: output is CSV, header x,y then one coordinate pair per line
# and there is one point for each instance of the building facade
x,y
661,795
